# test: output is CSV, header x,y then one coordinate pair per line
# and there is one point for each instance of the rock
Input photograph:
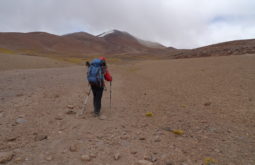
x,y
157,139
1,114
143,162
19,159
40,137
59,118
48,158
153,159
133,152
20,120
117,156
73,148
85,158
70,106
125,137
6,157
169,162
70,112
11,139
147,157
19,94
138,132
92,155
142,138
150,158
217,150
207,104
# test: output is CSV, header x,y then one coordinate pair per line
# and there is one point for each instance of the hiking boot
x,y
96,114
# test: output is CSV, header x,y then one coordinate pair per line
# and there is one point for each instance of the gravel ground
x,y
212,100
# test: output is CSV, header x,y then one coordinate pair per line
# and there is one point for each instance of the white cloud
x,y
179,23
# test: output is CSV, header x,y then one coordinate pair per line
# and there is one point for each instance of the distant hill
x,y
113,43
237,47
78,44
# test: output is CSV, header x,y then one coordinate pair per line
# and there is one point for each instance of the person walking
x,y
97,73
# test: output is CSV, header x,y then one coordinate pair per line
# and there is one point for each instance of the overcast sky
x,y
177,23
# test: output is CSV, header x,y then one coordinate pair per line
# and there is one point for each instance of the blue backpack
x,y
95,73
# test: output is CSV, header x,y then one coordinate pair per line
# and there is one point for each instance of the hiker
x,y
97,72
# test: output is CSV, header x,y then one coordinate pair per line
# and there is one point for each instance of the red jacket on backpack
x,y
107,75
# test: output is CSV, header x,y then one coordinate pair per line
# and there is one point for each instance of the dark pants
x,y
97,93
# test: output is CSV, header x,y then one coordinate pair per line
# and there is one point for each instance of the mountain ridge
x,y
114,43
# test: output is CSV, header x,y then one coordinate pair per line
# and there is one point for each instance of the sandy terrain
x,y
211,99
14,61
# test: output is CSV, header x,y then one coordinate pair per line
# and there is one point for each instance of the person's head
x,y
104,60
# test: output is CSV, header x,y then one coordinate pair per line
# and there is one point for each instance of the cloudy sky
x,y
178,23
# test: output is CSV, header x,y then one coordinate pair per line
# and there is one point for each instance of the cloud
x,y
178,23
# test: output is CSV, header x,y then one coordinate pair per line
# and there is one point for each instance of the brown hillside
x,y
89,41
112,44
122,42
43,43
237,47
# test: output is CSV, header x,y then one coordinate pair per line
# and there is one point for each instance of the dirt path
x,y
210,99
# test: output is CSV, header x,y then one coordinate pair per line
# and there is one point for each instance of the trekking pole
x,y
110,95
85,102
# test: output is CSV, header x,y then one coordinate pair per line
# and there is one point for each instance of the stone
x,y
48,158
6,157
169,162
147,157
12,138
59,118
125,137
154,159
70,112
19,159
20,120
133,152
117,156
157,139
85,158
40,137
92,155
143,162
207,104
70,106
73,148
142,138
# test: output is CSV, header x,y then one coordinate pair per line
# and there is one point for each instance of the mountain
x,y
113,43
41,43
79,44
123,42
89,41
237,47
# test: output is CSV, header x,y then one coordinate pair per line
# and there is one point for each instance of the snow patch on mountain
x,y
106,33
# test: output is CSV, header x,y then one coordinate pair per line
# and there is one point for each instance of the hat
x,y
102,58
